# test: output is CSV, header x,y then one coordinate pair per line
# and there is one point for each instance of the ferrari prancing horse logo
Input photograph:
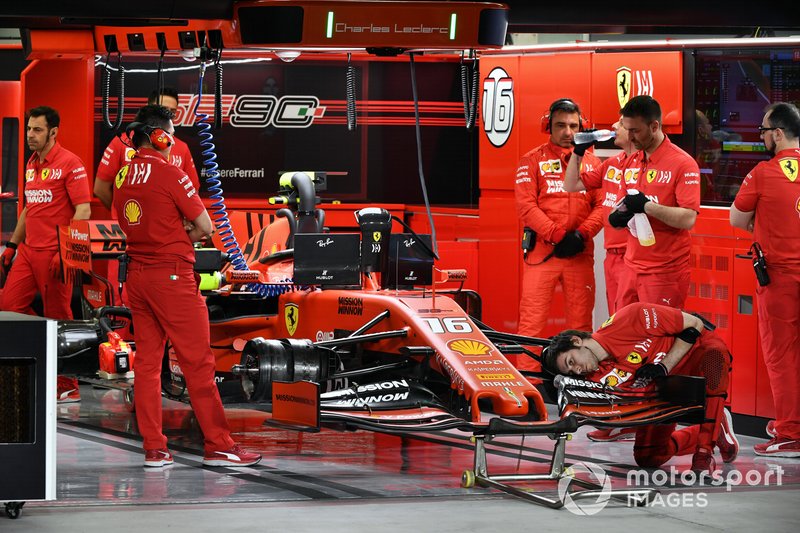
x,y
789,168
291,313
651,175
623,85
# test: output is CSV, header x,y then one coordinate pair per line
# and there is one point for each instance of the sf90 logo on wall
x,y
498,106
254,110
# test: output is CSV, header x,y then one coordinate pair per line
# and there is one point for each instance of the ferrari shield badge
x,y
789,168
651,175
376,236
623,85
291,314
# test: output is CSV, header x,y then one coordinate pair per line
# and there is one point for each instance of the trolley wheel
x,y
128,399
14,509
468,479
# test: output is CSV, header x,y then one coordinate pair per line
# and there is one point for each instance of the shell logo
x,y
133,212
129,153
612,381
545,166
469,347
610,174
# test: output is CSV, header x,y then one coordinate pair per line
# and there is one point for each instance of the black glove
x,y
580,148
620,219
636,202
572,244
651,371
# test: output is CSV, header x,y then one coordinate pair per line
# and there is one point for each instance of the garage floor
x,y
363,481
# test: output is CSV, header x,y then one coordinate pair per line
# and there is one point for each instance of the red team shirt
x,y
636,335
542,203
608,177
118,154
151,197
777,229
670,177
52,190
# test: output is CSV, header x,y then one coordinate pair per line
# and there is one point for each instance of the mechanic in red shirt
x,y
768,204
162,215
119,152
642,342
606,177
668,184
564,225
56,191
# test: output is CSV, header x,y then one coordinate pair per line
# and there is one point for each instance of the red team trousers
x,y
166,303
31,274
656,444
779,327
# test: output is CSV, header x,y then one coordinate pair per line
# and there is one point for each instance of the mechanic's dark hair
x,y
154,99
559,344
643,106
148,118
50,115
786,117
562,104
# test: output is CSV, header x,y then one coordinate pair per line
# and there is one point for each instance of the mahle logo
x,y
497,109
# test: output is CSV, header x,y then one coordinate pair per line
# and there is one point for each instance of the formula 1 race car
x,y
347,330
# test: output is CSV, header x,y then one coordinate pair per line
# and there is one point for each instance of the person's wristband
x,y
11,245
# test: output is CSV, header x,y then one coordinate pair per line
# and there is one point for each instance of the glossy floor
x,y
363,481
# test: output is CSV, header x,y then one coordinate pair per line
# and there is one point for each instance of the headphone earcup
x,y
160,139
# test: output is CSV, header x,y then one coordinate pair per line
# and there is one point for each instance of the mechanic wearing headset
x,y
642,342
56,190
118,154
606,177
768,204
564,225
162,215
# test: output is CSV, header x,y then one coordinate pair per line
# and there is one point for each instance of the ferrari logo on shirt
x,y
789,167
376,236
132,212
608,322
45,173
634,358
120,179
291,314
623,85
652,175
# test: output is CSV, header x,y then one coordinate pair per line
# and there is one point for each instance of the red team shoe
x,y
157,458
771,431
233,457
727,442
778,447
67,390
703,462
612,434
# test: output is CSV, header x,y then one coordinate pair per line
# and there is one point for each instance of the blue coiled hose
x,y
219,210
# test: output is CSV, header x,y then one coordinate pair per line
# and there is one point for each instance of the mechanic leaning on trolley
x,y
644,342
768,204
161,214
560,227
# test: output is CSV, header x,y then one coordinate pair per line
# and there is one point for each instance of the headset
x,y
563,104
160,139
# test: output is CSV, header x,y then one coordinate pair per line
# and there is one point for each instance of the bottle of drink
x,y
589,136
644,231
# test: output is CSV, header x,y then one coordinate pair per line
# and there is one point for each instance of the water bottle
x,y
639,225
590,136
